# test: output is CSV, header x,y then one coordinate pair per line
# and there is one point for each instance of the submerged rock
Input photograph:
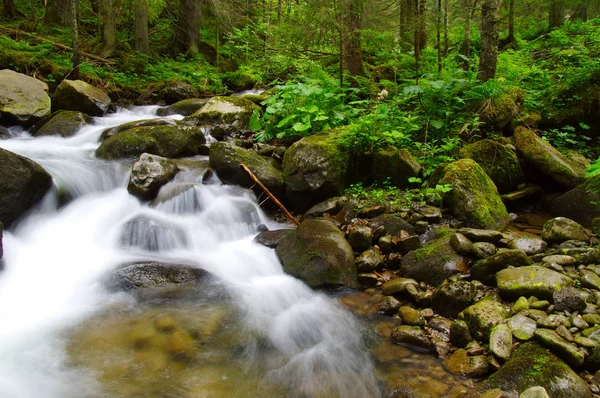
x,y
150,234
77,95
23,99
154,274
148,174
62,123
411,336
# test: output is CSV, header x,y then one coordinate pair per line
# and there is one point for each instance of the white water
x,y
56,260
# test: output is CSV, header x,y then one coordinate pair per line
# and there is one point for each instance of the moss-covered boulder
x,y
61,123
474,198
482,316
314,169
395,165
498,112
499,161
450,297
462,364
23,183
77,95
184,107
109,132
318,254
153,275
168,141
433,263
530,281
23,99
225,158
148,174
225,116
578,203
530,366
547,160
176,91
485,270
560,229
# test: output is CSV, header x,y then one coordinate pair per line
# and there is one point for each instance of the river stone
x,y
460,335
395,166
433,263
177,91
389,305
501,341
392,224
569,352
272,239
522,327
154,274
485,270
450,298
225,158
410,316
483,249
77,95
109,132
369,260
482,235
535,392
23,183
331,206
431,214
318,254
226,116
529,245
167,141
531,366
547,159
568,299
462,364
474,198
397,285
481,317
560,229
314,168
360,237
148,174
411,336
61,123
23,100
530,281
461,244
184,107
499,161
579,203
590,279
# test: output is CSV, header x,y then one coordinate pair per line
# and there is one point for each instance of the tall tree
x,y
351,48
9,9
58,12
490,33
511,21
141,26
109,28
75,37
187,31
420,33
556,13
439,35
446,16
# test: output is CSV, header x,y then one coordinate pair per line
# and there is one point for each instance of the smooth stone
x,y
450,298
590,279
411,336
461,244
560,259
501,341
483,249
522,327
535,392
460,335
481,235
389,305
585,342
529,245
560,346
369,260
520,305
486,270
591,319
563,332
530,281
560,229
360,237
397,285
430,213
481,317
460,363
410,316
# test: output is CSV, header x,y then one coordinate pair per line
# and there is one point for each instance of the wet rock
x,y
501,341
522,327
461,244
408,244
531,366
430,213
535,392
226,116
318,254
485,270
23,183
371,211
368,278
559,346
360,237
563,332
482,235
369,260
528,245
568,299
530,281
272,238
148,174
561,229
177,91
389,305
154,274
392,224
520,305
331,206
411,336
393,261
460,363
483,249
386,244
23,99
481,317
410,316
397,285
152,234
61,123
77,95
559,259
184,107
450,298
109,132
460,335
474,198
440,325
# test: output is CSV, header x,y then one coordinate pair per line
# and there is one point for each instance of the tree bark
x,y
352,51
141,26
58,12
446,16
439,35
420,34
511,21
9,9
490,33
406,19
75,36
109,28
556,13
467,42
187,35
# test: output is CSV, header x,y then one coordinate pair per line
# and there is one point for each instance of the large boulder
x,y
314,169
77,95
23,100
450,297
579,203
177,91
148,174
530,366
109,132
168,141
226,116
22,184
153,275
547,160
474,198
499,161
560,229
61,123
184,107
485,270
530,281
396,166
433,263
318,254
482,316
225,158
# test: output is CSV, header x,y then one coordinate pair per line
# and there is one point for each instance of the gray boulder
x,y
77,95
184,107
148,174
23,183
153,275
62,123
576,204
530,281
177,91
226,116
23,100
450,298
561,229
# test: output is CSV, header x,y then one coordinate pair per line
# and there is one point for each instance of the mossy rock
x,y
577,204
241,80
176,91
547,160
24,100
61,123
153,275
109,132
485,270
481,317
167,141
258,99
498,112
77,95
450,298
530,281
474,198
23,183
530,366
225,158
561,229
148,174
184,107
314,169
395,165
499,161
318,254
433,263
224,115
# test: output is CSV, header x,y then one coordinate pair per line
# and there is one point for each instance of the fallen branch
x,y
59,45
273,198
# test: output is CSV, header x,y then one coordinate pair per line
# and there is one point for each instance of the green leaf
x,y
321,117
256,123
438,124
299,127
285,121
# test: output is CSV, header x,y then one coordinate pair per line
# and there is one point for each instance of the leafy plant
x,y
568,138
425,194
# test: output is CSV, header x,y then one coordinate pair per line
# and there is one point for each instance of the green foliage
x,y
567,137
424,194
377,194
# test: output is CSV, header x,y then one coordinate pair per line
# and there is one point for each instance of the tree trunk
x,y
141,26
109,28
556,13
420,34
279,10
406,19
439,35
187,35
352,51
467,43
490,33
446,16
511,21
9,9
75,37
58,12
